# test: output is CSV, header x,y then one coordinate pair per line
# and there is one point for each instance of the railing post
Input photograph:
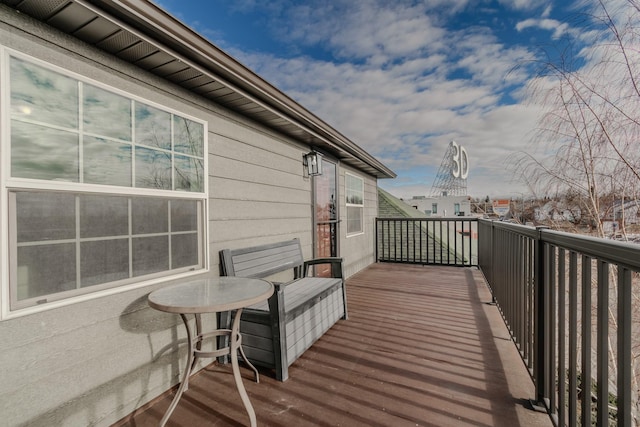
x,y
541,311
377,238
494,258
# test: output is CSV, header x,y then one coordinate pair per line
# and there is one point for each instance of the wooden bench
x,y
277,332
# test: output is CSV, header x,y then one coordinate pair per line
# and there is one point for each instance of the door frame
x,y
336,221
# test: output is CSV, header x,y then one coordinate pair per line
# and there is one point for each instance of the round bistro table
x,y
212,295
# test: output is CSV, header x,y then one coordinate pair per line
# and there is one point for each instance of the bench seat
x,y
276,332
304,292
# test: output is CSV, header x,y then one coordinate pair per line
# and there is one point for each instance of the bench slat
x,y
302,291
305,289
264,260
269,259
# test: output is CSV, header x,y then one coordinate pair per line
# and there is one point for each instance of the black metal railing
x,y
441,241
569,302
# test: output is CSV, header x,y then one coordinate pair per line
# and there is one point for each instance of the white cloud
x,y
402,91
409,129
366,29
556,27
525,5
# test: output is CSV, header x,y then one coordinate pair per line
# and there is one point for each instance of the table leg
x,y
235,343
187,372
197,345
256,375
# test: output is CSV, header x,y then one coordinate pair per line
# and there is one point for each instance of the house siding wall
x,y
94,362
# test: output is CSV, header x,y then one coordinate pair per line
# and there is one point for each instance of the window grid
x,y
194,161
82,133
78,240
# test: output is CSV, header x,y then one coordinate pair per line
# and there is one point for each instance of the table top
x,y
210,295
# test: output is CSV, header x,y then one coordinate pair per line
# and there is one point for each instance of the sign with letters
x,y
501,206
460,168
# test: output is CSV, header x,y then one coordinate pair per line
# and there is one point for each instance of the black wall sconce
x,y
312,163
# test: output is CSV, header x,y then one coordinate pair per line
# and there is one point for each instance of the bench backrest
x,y
262,261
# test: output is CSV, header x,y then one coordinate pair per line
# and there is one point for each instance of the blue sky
x,y
403,78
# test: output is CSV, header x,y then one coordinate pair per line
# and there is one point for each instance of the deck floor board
x,y
422,347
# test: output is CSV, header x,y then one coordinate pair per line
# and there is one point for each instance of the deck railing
x,y
441,241
570,302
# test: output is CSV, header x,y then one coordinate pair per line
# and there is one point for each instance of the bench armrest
x,y
336,266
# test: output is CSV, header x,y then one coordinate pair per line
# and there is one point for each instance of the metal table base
x,y
194,343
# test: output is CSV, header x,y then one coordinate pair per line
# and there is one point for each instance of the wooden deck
x,y
421,348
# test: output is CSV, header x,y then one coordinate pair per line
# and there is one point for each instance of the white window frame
x,y
354,205
9,184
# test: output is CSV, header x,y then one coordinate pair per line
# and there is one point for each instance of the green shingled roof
x,y
390,206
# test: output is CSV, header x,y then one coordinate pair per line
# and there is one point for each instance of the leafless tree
x,y
587,139
587,144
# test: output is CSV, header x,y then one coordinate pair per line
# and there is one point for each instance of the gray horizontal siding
x,y
94,362
230,188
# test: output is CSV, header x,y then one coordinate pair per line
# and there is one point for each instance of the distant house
x,y
557,211
628,211
133,151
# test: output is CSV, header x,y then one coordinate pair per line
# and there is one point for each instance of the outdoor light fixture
x,y
313,163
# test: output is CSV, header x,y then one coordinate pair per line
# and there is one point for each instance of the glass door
x,y
326,215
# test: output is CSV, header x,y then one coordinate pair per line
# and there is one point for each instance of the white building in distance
x,y
443,206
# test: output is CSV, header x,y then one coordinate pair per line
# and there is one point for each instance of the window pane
x,y
184,215
153,168
149,215
354,219
184,250
189,171
353,183
104,261
46,269
153,127
38,94
106,113
150,255
45,216
40,152
106,162
354,190
355,199
103,216
188,137
325,193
